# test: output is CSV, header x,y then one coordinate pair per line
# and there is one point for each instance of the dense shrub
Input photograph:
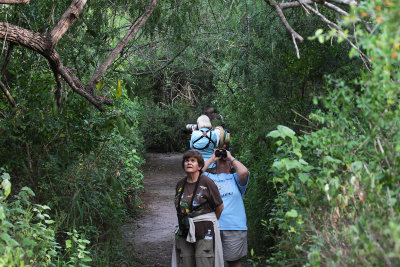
x,y
337,187
163,128
28,233
84,166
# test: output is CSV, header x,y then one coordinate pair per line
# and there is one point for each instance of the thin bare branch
x,y
67,19
295,45
7,59
14,2
279,11
161,68
7,94
302,2
336,8
331,24
118,48
58,93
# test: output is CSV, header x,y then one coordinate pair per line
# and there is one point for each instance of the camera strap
x,y
194,193
206,136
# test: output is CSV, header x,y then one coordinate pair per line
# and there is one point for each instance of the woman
x,y
233,223
198,205
205,139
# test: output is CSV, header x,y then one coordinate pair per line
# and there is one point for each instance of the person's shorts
x,y
234,244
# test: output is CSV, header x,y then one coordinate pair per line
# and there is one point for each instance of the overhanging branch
x,y
7,94
45,44
14,2
122,43
67,19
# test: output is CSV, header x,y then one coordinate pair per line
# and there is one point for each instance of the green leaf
x,y
28,191
68,243
285,131
291,164
99,85
121,126
274,134
330,159
319,32
5,176
291,213
277,164
6,186
9,240
2,213
118,90
304,177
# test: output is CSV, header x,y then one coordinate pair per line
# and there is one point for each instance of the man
x,y
232,186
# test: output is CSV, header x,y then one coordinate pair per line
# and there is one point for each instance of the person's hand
x,y
229,156
213,157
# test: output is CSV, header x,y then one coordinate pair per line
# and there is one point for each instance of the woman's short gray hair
x,y
203,122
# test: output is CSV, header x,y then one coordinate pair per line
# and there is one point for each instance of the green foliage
x,y
28,234
84,166
163,127
337,187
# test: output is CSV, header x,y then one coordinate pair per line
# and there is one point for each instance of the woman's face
x,y
191,165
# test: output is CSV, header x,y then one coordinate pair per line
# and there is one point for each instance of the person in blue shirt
x,y
205,139
233,221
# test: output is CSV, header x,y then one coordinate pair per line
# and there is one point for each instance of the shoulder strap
x,y
194,193
206,136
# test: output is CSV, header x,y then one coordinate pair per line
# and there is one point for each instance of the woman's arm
x,y
210,161
218,210
242,171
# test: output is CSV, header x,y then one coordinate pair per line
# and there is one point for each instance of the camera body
x,y
220,152
190,126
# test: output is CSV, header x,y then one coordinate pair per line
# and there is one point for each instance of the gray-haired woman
x,y
198,205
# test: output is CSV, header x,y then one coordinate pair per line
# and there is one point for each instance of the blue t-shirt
x,y
233,216
203,141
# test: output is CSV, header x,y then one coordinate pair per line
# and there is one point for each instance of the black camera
x,y
220,152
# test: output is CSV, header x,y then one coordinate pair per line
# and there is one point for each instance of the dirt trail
x,y
151,234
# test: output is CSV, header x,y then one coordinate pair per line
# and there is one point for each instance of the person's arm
x,y
210,161
242,171
218,210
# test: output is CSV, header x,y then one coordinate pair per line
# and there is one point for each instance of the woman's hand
x,y
213,157
229,156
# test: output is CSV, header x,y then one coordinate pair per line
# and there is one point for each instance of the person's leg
x,y
185,252
205,253
236,263
234,246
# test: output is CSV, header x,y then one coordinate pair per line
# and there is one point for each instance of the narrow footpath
x,y
151,234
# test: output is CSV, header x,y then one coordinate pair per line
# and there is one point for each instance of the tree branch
x,y
161,68
7,59
7,94
122,43
11,2
279,11
76,84
67,19
20,36
331,24
336,8
302,2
